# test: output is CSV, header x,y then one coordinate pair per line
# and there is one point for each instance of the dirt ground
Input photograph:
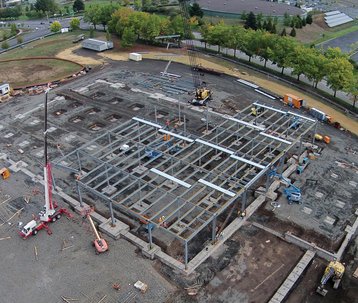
x,y
252,275
85,57
31,72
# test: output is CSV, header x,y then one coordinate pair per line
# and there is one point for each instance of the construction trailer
x,y
293,101
135,57
184,191
97,45
4,89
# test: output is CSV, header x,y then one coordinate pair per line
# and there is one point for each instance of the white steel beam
x,y
146,122
303,117
247,161
276,138
269,107
215,146
176,135
265,94
171,178
218,188
247,124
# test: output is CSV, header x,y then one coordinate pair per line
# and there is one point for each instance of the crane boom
x,y
192,54
202,94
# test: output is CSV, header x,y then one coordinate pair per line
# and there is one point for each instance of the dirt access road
x,y
268,83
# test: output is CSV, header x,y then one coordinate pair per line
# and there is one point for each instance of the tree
x,y
128,37
353,89
108,35
75,23
309,19
46,6
286,19
340,74
78,6
19,39
13,29
91,32
5,45
293,32
55,27
282,49
91,14
104,14
195,10
299,62
137,4
283,33
251,21
243,16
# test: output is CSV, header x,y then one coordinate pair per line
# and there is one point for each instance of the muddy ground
x,y
251,265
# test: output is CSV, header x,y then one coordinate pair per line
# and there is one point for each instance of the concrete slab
x,y
329,220
340,204
319,195
307,210
113,231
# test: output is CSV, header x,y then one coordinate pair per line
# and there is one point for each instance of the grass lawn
x,y
28,72
47,47
338,32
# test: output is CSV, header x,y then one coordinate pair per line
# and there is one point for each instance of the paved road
x,y
41,28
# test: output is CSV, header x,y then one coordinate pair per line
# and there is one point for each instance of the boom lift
x,y
50,213
334,270
202,93
99,243
292,193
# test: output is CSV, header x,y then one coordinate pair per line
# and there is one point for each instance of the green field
x,y
47,47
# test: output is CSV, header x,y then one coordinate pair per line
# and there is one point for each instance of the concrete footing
x,y
291,280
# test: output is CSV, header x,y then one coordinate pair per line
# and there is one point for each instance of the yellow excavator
x,y
334,270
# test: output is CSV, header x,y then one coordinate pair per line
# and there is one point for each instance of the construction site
x,y
237,200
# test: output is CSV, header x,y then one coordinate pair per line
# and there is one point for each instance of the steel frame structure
x,y
182,183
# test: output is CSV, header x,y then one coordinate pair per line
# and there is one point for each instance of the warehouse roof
x,y
255,6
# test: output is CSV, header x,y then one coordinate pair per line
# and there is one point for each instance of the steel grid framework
x,y
179,182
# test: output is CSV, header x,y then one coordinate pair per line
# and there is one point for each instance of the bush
x,y
5,45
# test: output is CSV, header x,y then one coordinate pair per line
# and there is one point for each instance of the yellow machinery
x,y
5,173
202,96
334,270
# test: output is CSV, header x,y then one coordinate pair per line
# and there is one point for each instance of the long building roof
x,y
255,6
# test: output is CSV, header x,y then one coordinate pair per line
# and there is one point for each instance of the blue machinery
x,y
292,193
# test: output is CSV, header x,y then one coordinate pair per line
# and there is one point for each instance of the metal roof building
x,y
237,7
97,45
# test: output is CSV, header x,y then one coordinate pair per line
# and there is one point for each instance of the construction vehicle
x,y
5,173
291,192
295,122
50,212
99,243
334,270
293,101
302,166
321,116
325,139
202,94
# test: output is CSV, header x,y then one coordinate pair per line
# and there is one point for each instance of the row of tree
x,y
285,52
10,12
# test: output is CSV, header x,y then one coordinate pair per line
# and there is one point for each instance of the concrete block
x,y
113,231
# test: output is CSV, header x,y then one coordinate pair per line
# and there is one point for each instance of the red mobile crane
x,y
50,212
